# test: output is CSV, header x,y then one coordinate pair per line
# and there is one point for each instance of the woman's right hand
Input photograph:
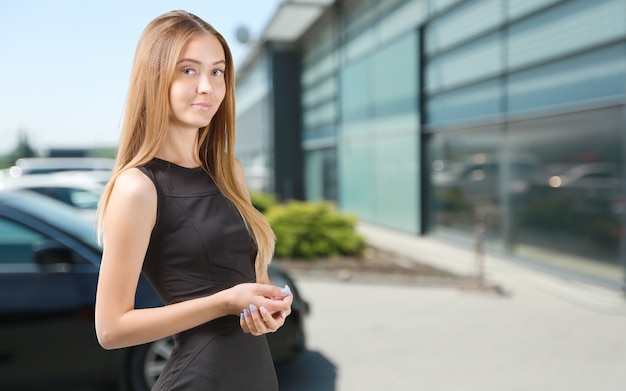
x,y
272,298
258,320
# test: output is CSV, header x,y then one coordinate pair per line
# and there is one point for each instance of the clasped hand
x,y
266,310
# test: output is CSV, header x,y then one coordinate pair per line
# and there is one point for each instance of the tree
x,y
23,149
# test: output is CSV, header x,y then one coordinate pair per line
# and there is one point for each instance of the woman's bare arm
x,y
128,224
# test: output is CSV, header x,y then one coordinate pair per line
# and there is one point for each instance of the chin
x,y
204,122
203,125
198,123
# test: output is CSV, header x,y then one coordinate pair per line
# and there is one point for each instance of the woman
x,y
177,208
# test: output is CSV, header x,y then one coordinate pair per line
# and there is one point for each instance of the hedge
x,y
312,230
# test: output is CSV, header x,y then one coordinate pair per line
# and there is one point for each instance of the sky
x,y
65,64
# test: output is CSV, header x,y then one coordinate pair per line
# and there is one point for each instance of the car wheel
x,y
146,363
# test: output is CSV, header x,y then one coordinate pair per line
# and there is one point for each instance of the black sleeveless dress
x,y
199,246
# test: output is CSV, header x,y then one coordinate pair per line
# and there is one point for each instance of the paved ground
x,y
365,336
498,271
545,332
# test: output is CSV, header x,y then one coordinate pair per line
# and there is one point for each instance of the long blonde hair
x,y
146,121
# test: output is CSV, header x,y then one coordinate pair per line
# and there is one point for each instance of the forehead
x,y
205,48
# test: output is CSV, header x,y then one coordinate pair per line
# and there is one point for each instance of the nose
x,y
204,84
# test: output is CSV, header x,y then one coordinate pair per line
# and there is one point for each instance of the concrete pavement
x,y
499,271
545,333
388,337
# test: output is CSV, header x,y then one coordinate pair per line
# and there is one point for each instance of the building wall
x,y
525,124
320,110
287,158
254,145
361,111
427,115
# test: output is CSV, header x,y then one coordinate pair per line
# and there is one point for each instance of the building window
x,y
594,75
564,29
569,212
472,103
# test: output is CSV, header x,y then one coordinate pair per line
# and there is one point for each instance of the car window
x,y
84,199
601,175
64,217
16,242
78,198
59,194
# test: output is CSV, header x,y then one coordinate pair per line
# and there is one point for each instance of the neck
x,y
181,147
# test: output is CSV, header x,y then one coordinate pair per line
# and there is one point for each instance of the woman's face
x,y
198,86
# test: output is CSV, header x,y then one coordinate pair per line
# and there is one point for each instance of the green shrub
x,y
311,230
262,201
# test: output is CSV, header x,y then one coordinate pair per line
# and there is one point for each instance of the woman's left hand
x,y
258,321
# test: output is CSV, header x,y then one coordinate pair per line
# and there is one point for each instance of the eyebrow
x,y
199,62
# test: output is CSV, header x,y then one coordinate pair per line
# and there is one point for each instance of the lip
x,y
203,105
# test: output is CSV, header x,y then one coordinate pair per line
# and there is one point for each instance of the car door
x,y
47,295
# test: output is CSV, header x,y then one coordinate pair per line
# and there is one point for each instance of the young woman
x,y
178,209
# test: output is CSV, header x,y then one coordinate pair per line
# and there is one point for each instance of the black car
x,y
49,261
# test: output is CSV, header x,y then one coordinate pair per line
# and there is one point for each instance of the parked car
x,y
44,165
49,261
599,177
79,189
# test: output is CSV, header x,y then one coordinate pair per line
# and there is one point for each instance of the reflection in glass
x,y
571,214
320,168
465,175
552,189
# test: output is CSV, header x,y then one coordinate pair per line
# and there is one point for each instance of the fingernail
x,y
283,314
285,290
246,313
263,310
241,316
252,308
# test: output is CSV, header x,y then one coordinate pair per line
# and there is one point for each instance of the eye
x,y
188,71
218,72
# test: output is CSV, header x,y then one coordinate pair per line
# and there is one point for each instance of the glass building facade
x,y
254,125
425,115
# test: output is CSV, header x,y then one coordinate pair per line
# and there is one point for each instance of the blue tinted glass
x,y
395,77
518,8
16,242
320,168
569,27
62,216
475,102
323,132
396,179
594,75
356,164
440,5
570,215
318,116
355,82
464,171
463,22
476,60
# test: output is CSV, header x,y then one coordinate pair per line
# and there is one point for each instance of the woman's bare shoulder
x,y
134,184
